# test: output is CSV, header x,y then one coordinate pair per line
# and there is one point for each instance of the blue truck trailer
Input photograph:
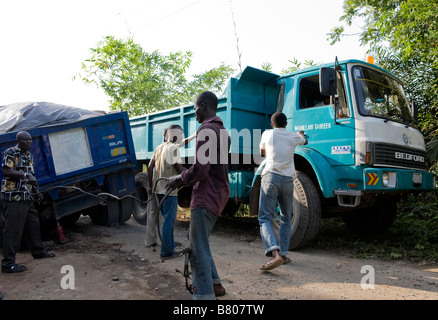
x,y
77,159
364,150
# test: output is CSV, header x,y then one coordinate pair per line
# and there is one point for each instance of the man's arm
x,y
179,167
187,140
262,145
197,172
14,174
262,152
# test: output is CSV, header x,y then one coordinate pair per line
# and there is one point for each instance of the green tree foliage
x,y
141,82
403,36
294,66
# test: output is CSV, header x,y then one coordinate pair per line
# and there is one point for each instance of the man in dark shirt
x,y
209,178
17,195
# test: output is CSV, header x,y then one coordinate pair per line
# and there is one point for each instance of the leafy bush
x,y
413,236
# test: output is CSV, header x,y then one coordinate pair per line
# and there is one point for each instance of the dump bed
x,y
91,147
95,154
246,105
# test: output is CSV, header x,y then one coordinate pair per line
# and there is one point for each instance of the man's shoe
x,y
219,290
15,268
43,255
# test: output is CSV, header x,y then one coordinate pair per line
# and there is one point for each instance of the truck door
x,y
315,114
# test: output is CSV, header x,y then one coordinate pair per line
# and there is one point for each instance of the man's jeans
x,y
169,209
276,189
204,273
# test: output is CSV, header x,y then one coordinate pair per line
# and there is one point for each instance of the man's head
x,y
165,135
279,120
205,106
175,133
24,140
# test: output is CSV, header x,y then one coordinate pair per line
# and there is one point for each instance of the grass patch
x,y
413,235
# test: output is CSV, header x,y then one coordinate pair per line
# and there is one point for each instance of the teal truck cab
x,y
364,151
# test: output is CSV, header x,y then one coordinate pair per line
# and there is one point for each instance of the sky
x,y
44,42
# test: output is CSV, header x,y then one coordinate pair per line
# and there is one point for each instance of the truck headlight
x,y
385,179
389,179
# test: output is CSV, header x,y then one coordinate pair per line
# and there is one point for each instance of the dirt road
x,y
113,263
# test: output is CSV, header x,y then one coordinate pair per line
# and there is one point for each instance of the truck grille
x,y
397,156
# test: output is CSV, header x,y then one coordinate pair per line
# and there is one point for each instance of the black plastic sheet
x,y
27,115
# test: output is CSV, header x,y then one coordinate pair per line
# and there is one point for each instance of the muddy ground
x,y
114,264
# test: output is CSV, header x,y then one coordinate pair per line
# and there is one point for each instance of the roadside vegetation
x,y
412,237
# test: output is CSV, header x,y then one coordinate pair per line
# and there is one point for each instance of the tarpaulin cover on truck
x,y
26,115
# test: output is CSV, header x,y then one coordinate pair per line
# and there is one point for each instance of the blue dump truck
x,y
364,150
78,154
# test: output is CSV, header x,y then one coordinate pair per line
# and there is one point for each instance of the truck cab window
x,y
309,93
340,99
310,96
280,102
379,95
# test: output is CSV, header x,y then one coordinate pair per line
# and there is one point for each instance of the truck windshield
x,y
380,95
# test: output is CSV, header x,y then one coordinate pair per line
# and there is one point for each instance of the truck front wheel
x,y
306,215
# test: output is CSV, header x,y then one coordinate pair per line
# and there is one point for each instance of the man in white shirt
x,y
277,186
153,212
167,163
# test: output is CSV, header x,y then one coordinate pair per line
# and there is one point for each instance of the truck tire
x,y
126,206
230,208
139,210
254,197
372,220
306,215
107,215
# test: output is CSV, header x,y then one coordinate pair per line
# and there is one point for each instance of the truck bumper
x,y
388,179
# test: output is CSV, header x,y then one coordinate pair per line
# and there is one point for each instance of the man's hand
x,y
302,134
31,179
174,182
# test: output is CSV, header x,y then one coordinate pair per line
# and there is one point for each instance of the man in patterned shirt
x,y
17,194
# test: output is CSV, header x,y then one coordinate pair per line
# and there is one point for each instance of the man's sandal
x,y
272,264
286,259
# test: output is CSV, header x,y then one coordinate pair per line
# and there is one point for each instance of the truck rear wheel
x,y
107,215
230,208
254,197
139,210
126,206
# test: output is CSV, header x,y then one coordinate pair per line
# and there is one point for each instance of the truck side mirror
x,y
327,81
414,110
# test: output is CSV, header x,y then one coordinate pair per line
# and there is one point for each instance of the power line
x,y
168,16
239,54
